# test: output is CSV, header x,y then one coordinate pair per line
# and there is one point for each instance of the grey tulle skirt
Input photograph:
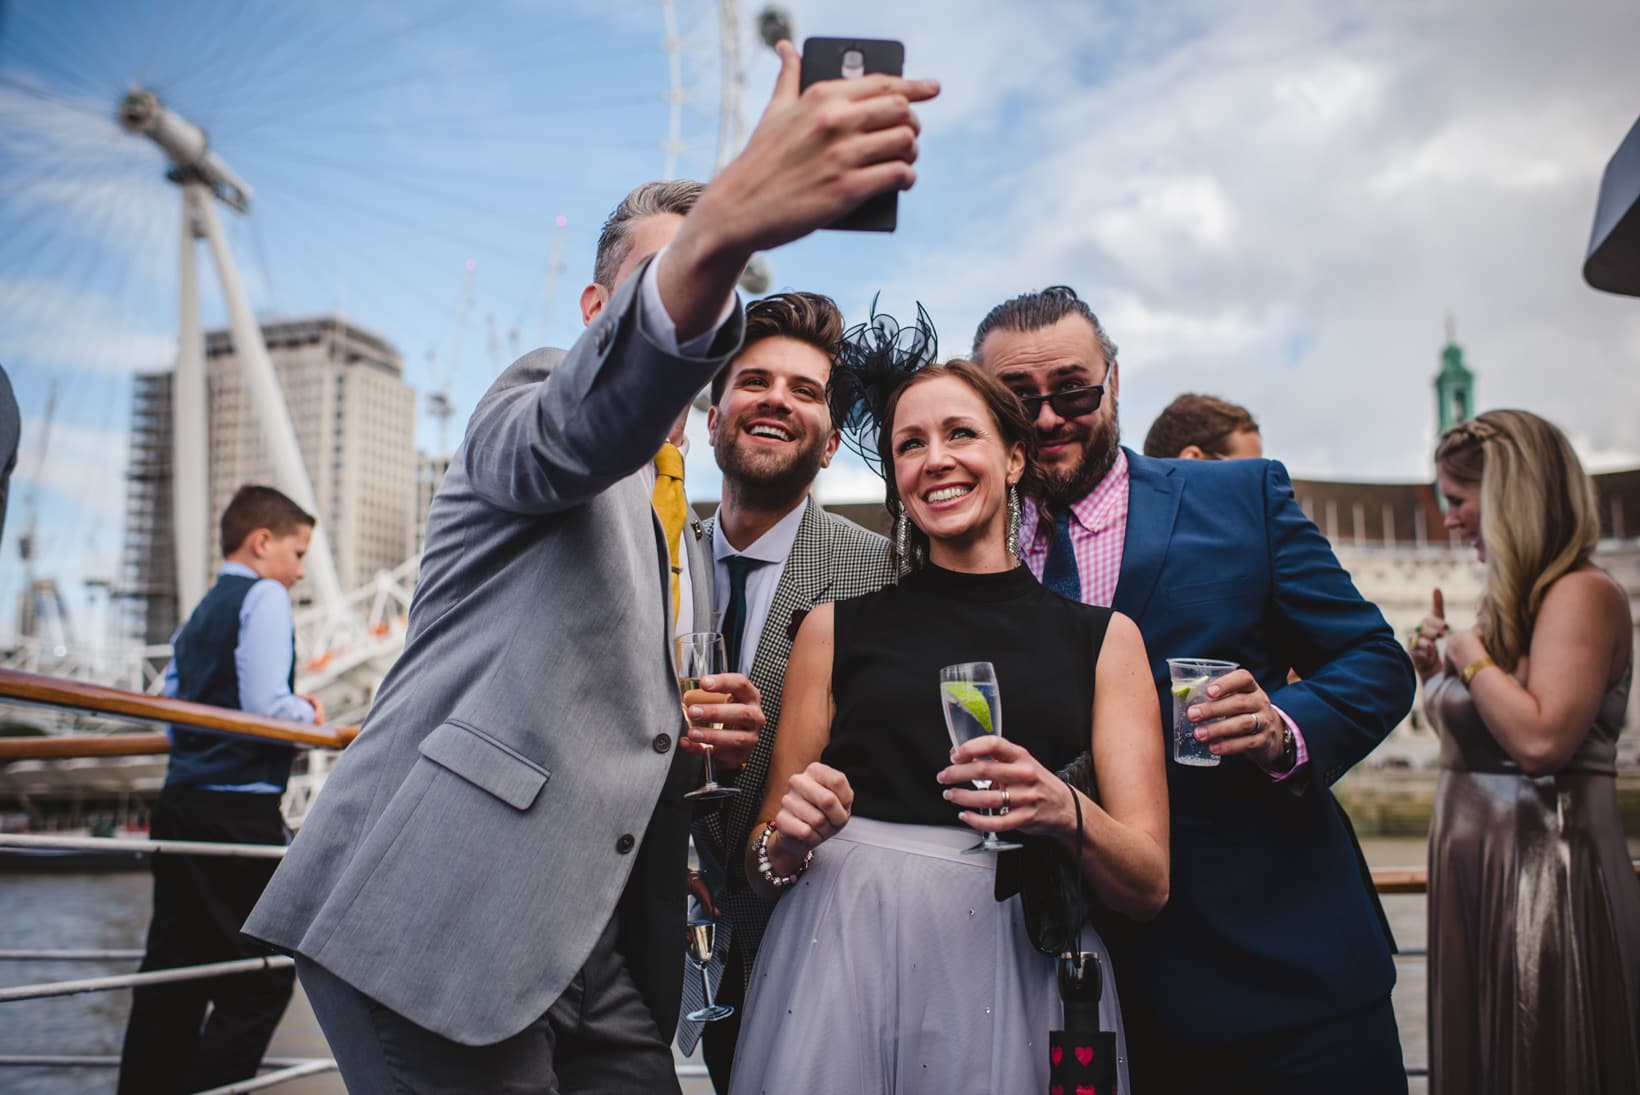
x,y
891,967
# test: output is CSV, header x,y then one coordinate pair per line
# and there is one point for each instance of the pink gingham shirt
x,y
1098,531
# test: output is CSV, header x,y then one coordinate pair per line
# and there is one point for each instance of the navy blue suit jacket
x,y
1272,923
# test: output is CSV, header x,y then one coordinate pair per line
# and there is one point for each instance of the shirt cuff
x,y
1301,753
658,325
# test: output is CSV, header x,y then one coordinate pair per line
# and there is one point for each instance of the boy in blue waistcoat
x,y
237,650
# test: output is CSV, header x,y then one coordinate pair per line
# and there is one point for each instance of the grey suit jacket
x,y
473,842
832,558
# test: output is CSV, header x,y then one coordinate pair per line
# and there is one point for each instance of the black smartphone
x,y
851,58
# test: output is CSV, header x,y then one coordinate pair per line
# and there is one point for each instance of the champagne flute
x,y
701,654
702,935
973,708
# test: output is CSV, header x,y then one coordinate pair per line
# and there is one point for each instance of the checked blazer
x,y
832,558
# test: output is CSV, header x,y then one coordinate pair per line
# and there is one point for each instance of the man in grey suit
x,y
777,554
458,898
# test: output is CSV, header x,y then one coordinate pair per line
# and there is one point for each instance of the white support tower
x,y
200,172
190,426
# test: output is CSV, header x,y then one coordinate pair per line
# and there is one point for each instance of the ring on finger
x,y
1258,723
1005,803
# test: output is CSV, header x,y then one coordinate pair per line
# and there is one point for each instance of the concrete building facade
x,y
355,421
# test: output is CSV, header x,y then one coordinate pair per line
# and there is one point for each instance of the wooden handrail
x,y
1416,879
1400,879
65,746
77,696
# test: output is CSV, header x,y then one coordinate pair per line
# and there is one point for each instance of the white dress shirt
x,y
770,551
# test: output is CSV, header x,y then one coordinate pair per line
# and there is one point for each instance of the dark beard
x,y
768,486
1058,491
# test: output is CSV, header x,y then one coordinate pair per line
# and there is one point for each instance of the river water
x,y
109,910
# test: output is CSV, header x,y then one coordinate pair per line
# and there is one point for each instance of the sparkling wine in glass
x,y
702,935
701,654
973,708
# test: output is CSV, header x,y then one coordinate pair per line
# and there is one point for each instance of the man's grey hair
x,y
666,196
1034,311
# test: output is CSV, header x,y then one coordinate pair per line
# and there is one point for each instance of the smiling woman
x,y
1534,910
863,766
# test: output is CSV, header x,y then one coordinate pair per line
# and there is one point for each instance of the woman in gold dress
x,y
1534,908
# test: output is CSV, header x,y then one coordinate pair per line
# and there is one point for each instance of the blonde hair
x,y
1539,517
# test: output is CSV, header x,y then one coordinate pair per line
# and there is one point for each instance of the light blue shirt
x,y
262,659
770,551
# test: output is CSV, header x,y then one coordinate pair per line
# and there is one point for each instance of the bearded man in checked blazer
x,y
777,554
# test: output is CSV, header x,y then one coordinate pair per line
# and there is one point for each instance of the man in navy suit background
x,y
1270,968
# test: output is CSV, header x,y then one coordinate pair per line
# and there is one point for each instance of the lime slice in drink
x,y
971,700
1182,689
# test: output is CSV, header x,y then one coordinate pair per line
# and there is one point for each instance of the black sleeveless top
x,y
889,736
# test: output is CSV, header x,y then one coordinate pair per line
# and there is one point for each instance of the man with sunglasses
x,y
1269,970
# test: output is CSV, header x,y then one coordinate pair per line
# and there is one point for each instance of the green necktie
x,y
734,617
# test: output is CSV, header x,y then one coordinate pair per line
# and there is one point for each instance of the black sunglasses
x,y
1070,403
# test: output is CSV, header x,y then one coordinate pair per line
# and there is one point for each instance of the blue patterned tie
x,y
1060,572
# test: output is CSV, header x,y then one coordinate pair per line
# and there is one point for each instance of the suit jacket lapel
x,y
697,556
1153,504
805,581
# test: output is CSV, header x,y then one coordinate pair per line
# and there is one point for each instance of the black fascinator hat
x,y
873,359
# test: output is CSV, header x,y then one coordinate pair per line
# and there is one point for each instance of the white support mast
x,y
200,172
262,387
190,467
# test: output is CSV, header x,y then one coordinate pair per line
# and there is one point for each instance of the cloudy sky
x,y
1280,203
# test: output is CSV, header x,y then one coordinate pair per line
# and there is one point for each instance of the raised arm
x,y
542,445
1579,643
551,434
806,800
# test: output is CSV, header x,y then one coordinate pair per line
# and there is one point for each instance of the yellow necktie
x,y
673,510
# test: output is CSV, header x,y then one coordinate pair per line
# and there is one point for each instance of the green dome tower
x,y
1454,385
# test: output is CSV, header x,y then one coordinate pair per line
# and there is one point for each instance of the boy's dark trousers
x,y
200,1034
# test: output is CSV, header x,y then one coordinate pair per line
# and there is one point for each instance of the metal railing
x,y
74,695
31,688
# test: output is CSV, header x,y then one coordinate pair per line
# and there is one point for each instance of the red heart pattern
x,y
1056,1055
1085,1090
1057,1089
1084,1054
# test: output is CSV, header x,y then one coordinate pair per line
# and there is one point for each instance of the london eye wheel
x,y
400,165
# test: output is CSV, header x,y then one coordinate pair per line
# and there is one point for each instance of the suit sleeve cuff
x,y
658,325
1301,754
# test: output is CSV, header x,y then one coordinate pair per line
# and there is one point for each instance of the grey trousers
x,y
598,1038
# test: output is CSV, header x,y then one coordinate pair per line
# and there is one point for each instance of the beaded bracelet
x,y
766,869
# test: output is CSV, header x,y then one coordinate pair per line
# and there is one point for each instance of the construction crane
x,y
439,403
42,613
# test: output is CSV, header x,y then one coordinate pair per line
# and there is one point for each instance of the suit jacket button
x,y
662,742
624,845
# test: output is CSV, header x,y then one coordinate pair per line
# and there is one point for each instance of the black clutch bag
x,y
1048,881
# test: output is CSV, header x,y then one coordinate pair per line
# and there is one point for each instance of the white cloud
x,y
83,465
1281,208
55,325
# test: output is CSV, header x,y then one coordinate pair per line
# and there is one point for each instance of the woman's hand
x,y
1023,796
1425,655
814,809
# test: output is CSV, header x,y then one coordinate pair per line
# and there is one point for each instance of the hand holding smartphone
x,y
846,59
